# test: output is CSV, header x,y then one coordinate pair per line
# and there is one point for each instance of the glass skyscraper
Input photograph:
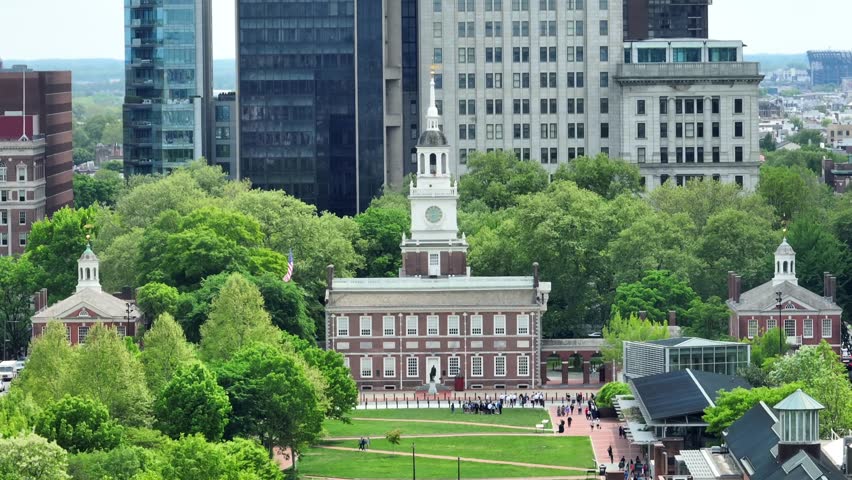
x,y
168,83
320,98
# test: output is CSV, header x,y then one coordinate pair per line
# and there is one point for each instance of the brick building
x,y
808,318
88,305
36,165
476,332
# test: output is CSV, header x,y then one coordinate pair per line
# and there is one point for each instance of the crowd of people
x,y
494,406
580,404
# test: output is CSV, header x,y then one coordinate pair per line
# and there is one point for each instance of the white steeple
x,y
432,117
785,264
88,270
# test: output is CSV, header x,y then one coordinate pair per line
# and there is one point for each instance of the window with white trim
x,y
453,366
389,367
453,325
346,362
752,328
68,334
389,325
790,327
476,324
121,330
499,324
523,366
523,324
476,366
342,326
82,333
826,328
432,325
366,326
366,367
771,323
499,366
412,367
22,173
411,325
808,328
2,174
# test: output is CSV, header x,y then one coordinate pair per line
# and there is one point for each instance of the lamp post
x,y
129,309
413,463
780,339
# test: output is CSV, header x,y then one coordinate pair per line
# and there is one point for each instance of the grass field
x,y
520,417
541,449
339,464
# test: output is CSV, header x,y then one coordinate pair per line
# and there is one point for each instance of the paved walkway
x,y
602,438
448,435
464,459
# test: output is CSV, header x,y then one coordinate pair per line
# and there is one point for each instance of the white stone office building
x,y
531,76
690,110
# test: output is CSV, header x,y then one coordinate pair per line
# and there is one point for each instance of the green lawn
x,y
358,428
545,449
522,417
339,464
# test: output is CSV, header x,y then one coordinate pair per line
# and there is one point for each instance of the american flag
x,y
289,274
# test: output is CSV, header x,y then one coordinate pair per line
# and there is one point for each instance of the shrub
x,y
608,393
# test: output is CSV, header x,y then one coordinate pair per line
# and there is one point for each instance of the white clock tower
x,y
434,249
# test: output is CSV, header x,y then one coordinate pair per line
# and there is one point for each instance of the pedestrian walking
x,y
609,451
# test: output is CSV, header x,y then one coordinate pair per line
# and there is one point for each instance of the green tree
x,y
631,328
497,178
731,405
155,299
18,412
273,398
381,230
192,458
54,245
608,177
609,391
122,463
733,240
119,260
49,365
166,350
707,319
807,137
809,157
286,304
341,391
818,250
393,437
237,318
18,282
104,187
106,371
658,292
192,402
791,191
251,457
78,425
767,143
30,457
766,346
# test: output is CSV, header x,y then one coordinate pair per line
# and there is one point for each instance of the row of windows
x,y
519,55
433,325
689,154
83,333
412,366
516,5
548,155
21,173
9,196
22,239
689,130
4,217
790,327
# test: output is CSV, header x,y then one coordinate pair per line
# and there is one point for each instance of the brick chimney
x,y
730,285
826,285
329,276
738,287
535,274
672,318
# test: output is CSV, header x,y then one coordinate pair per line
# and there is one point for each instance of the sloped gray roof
x,y
763,297
799,400
98,301
681,393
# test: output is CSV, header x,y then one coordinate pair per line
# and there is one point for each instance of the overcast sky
x,y
39,29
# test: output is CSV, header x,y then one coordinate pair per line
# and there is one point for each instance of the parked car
x,y
19,365
7,370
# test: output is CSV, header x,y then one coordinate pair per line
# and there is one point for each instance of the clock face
x,y
434,214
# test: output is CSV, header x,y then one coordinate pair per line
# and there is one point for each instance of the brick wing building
x,y
87,306
475,332
808,317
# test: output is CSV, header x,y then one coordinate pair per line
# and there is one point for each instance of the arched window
x,y
777,267
792,266
785,266
88,274
422,164
81,273
444,169
433,163
95,274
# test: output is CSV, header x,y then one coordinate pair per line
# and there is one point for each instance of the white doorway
x,y
433,362
434,264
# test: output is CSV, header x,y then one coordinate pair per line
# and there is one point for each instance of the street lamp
x,y
780,339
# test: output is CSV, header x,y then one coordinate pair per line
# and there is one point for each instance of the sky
x,y
42,29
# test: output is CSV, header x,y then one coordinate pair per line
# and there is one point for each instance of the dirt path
x,y
493,425
473,460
